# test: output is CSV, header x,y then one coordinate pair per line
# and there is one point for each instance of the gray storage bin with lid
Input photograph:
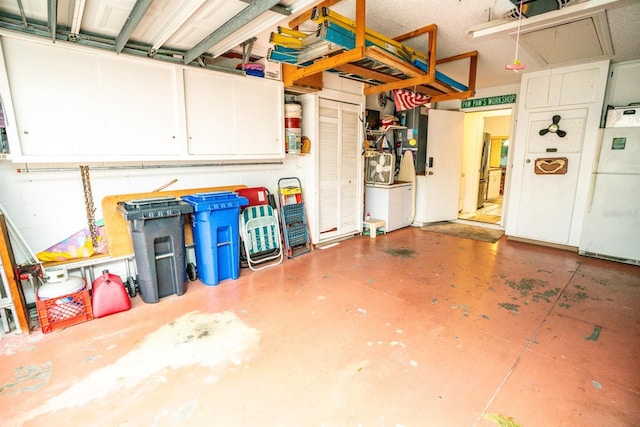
x,y
157,232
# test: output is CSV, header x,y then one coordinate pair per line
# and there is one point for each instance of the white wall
x,y
48,207
498,125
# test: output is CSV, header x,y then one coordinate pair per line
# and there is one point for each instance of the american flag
x,y
407,100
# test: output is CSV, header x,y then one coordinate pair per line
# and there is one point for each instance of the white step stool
x,y
373,225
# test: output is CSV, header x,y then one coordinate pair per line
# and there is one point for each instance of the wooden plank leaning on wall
x,y
118,236
9,265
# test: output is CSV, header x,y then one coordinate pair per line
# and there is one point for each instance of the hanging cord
x,y
88,203
518,35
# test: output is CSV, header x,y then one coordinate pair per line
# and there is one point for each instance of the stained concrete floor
x,y
412,328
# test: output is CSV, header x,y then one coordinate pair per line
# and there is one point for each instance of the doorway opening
x,y
484,167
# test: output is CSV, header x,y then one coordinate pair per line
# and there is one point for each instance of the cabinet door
x,y
328,168
231,116
349,169
140,108
339,166
259,115
569,86
55,95
579,87
537,90
76,103
210,108
493,188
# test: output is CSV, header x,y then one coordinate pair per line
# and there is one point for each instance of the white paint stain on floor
x,y
16,343
215,340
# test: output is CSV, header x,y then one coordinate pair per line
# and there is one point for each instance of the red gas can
x,y
109,295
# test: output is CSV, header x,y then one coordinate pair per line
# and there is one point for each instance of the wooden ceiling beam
x,y
382,77
450,96
329,63
411,34
400,84
377,54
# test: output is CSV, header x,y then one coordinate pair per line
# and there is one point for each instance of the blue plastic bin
x,y
216,234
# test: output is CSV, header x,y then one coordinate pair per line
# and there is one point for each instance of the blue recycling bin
x,y
216,234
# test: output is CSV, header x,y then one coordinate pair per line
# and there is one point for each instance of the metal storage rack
x,y
294,219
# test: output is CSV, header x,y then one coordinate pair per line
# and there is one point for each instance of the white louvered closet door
x,y
339,169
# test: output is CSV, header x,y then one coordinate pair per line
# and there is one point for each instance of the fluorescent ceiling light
x,y
78,11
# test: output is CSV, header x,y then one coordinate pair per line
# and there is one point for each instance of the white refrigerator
x,y
611,227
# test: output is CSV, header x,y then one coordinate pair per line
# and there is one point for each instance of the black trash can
x,y
157,232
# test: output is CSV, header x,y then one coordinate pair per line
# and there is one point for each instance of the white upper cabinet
x,y
210,105
50,98
259,113
140,107
569,86
75,103
72,103
233,117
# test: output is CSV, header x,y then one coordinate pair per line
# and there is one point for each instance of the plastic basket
x,y
294,213
297,234
64,311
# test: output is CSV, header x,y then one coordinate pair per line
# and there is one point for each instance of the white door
x,y
339,166
546,207
438,191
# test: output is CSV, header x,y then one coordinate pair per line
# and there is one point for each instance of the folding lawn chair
x,y
260,232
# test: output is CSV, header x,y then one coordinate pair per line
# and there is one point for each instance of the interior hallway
x,y
412,328
490,212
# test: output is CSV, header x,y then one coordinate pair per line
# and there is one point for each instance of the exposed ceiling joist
x,y
53,18
282,10
76,19
136,15
22,14
247,15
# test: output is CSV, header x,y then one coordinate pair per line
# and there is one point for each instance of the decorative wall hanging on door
x,y
551,166
554,127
